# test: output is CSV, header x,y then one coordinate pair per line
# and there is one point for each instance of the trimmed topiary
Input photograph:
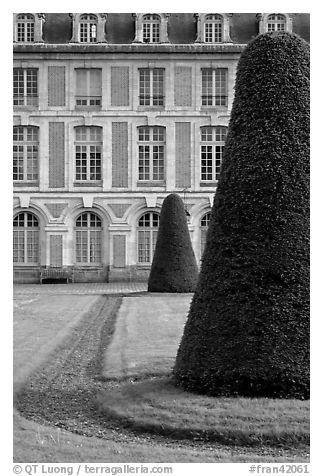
x,y
247,331
174,268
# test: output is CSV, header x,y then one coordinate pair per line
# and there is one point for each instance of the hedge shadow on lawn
x,y
157,406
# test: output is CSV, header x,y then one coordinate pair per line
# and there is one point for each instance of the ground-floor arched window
x,y
88,239
147,237
204,224
26,239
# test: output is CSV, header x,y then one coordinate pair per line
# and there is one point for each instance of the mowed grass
x,y
46,442
145,342
147,335
157,406
40,323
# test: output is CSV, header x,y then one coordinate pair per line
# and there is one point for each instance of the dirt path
x,y
40,324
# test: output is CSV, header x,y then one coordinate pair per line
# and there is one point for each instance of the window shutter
x,y
95,82
56,85
183,86
119,251
56,250
183,154
120,154
120,86
56,154
81,82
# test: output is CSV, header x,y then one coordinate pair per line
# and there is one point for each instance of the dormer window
x,y
28,27
276,23
88,27
25,28
151,28
213,28
270,22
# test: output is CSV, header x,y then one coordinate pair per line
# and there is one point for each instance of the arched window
x,y
88,239
88,154
147,236
88,28
25,28
276,22
25,153
212,144
26,239
269,22
213,29
151,29
204,224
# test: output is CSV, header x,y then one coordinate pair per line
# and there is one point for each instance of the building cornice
x,y
128,48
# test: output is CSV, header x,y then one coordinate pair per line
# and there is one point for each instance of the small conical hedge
x,y
174,268
247,331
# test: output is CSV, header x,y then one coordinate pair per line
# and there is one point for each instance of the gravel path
x,y
62,391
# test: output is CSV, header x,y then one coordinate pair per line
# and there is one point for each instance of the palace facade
x,y
112,112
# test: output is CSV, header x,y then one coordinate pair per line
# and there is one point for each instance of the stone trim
x,y
201,20
38,31
263,20
139,18
100,32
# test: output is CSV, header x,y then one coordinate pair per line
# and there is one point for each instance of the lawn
x,y
147,335
40,324
144,344
58,419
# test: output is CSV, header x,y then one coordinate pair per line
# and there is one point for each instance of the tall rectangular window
x,y
214,87
25,87
151,86
88,88
25,153
151,153
88,154
212,144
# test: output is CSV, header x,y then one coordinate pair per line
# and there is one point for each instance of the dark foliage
x,y
248,327
174,268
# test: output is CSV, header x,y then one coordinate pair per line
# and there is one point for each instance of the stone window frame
x,y
218,79
200,24
208,145
39,19
204,224
147,229
83,143
153,81
27,80
26,154
263,21
151,139
163,33
100,30
94,223
26,236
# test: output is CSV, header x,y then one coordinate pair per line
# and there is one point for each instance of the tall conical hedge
x,y
174,268
247,331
